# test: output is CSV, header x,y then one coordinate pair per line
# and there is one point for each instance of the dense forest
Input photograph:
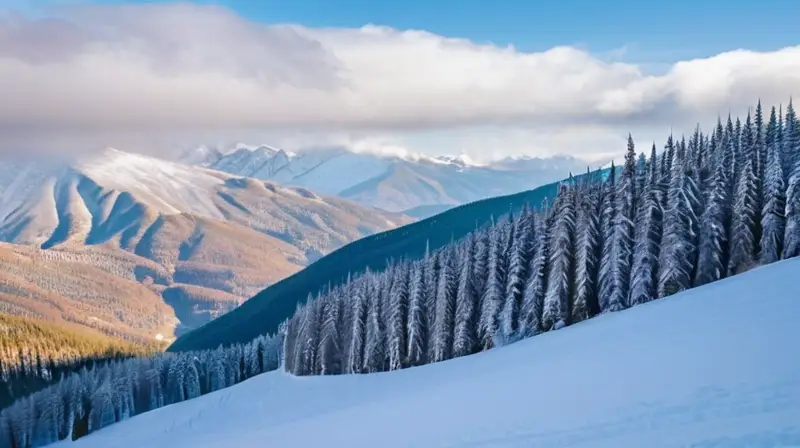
x,y
109,392
35,354
706,207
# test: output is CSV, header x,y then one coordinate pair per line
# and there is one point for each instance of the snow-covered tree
x,y
442,339
417,315
587,251
465,338
398,315
678,251
622,235
560,275
773,220
713,239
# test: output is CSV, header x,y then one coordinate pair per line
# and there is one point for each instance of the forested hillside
x,y
706,207
34,354
264,312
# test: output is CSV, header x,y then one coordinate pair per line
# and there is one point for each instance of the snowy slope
x,y
717,366
394,182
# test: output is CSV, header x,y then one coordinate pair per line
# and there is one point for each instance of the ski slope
x,y
718,366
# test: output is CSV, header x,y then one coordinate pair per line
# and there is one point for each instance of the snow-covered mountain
x,y
713,366
390,182
196,237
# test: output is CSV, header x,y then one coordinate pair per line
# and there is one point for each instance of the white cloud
x,y
170,74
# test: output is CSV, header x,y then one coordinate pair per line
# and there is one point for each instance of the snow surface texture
x,y
717,366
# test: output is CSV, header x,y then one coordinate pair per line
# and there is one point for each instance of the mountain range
x,y
416,185
143,248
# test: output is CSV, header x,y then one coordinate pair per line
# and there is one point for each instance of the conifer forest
x,y
680,214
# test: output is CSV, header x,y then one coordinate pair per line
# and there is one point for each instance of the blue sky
x,y
649,31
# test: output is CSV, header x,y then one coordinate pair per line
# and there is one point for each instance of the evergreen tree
x,y
647,243
678,250
355,358
517,273
773,220
743,233
442,340
622,239
607,220
536,286
398,338
465,340
492,299
792,237
557,312
713,240
587,242
417,316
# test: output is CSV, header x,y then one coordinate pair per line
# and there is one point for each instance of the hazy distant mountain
x,y
139,246
411,183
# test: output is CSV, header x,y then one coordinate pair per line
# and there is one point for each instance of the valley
x,y
140,248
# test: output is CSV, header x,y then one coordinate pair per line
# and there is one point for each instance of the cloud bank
x,y
166,74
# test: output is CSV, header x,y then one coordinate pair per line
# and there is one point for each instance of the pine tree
x,y
647,245
465,340
442,341
557,312
355,358
678,249
398,315
607,220
622,236
743,241
587,242
773,220
517,273
375,343
330,351
536,286
713,240
492,299
792,237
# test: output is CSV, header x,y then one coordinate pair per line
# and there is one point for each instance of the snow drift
x,y
711,367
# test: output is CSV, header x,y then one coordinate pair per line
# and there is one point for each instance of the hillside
x,y
137,246
690,370
267,309
394,182
30,344
59,342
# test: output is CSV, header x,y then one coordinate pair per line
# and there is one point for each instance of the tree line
x,y
35,354
706,207
106,393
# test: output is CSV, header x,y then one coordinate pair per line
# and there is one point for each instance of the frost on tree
x,y
587,242
679,248
647,245
621,242
605,281
465,340
557,311
773,220
417,315
493,296
442,339
713,239
517,273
